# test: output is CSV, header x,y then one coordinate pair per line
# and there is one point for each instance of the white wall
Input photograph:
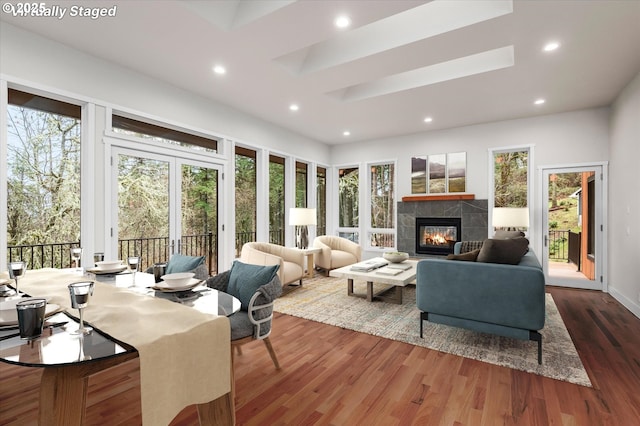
x,y
573,137
568,138
29,57
624,198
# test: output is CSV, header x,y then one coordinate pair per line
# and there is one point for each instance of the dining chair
x,y
257,287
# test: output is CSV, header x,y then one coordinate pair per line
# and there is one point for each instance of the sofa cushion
x,y
180,263
505,235
469,256
508,251
467,246
245,279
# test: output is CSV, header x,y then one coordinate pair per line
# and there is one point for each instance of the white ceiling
x,y
460,62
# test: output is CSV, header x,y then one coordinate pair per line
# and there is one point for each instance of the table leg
x,y
63,396
220,411
350,287
310,266
369,291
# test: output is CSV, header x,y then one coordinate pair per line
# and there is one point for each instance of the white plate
x,y
162,286
9,315
99,271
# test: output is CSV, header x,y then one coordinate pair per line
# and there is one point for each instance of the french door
x,y
573,231
163,205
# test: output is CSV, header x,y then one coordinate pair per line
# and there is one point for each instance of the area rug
x,y
325,300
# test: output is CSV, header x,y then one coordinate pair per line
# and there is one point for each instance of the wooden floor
x,y
332,376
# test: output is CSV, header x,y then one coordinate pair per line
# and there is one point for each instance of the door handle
x,y
546,240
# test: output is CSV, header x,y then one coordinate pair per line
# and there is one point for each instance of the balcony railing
x,y
151,250
558,245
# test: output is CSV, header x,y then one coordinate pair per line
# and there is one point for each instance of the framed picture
x,y
457,172
437,174
419,175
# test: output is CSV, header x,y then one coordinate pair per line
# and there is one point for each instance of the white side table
x,y
308,253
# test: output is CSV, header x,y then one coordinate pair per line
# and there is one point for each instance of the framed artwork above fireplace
x,y
439,173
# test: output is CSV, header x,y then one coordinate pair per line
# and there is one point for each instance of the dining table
x,y
184,353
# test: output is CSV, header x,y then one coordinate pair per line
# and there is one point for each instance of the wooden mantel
x,y
439,197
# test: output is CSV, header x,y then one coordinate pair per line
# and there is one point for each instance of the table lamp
x,y
301,218
510,218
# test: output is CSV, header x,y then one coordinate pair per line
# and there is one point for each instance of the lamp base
x,y
302,237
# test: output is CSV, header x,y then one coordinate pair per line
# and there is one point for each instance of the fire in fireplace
x,y
437,235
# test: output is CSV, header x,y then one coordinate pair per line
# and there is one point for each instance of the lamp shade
x,y
302,216
511,217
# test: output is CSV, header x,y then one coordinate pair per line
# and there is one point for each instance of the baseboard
x,y
625,301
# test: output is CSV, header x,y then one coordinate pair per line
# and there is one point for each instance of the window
x,y
511,170
382,180
321,201
141,129
43,179
276,199
301,184
348,210
245,196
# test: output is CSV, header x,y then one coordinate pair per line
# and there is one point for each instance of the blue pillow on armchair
x,y
245,279
180,263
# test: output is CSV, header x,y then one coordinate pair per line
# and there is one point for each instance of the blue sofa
x,y
507,300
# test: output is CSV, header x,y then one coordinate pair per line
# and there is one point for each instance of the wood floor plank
x,y
333,376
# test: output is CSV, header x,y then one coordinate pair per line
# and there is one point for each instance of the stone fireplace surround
x,y
474,215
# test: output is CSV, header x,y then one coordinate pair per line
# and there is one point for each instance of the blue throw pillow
x,y
245,279
180,263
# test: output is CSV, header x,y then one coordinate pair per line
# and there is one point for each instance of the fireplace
x,y
437,235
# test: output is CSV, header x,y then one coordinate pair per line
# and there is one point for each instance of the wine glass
x,y
76,254
17,269
80,293
134,266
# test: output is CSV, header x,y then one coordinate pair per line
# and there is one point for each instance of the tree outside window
x,y
321,200
43,174
245,196
511,178
276,199
348,193
382,205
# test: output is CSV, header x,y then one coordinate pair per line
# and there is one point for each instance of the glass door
x,y
165,205
572,231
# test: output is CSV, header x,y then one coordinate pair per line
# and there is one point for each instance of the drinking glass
x,y
134,266
17,269
98,257
76,254
80,293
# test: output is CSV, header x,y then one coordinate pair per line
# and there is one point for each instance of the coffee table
x,y
392,294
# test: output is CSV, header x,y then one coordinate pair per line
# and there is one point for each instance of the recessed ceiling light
x,y
428,120
294,107
342,21
346,133
551,46
539,101
219,69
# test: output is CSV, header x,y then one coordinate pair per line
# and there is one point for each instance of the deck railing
x,y
558,245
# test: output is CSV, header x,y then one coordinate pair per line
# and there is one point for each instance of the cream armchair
x,y
336,252
291,260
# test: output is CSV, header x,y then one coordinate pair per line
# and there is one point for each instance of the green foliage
x,y
510,179
43,171
553,225
348,190
245,194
